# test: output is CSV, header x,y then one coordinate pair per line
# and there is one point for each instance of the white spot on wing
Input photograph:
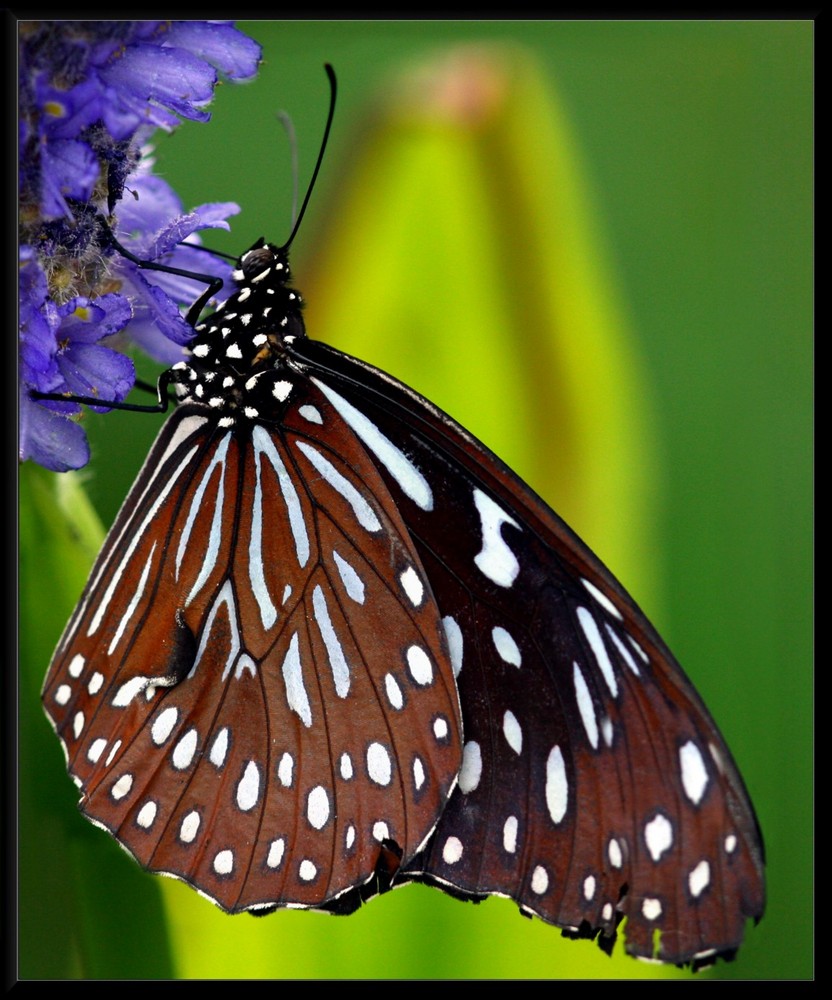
x,y
394,692
134,603
248,789
334,651
282,390
275,855
694,772
658,836
400,467
185,429
453,633
310,413
589,887
163,725
285,769
540,880
128,691
245,663
268,612
122,787
510,834
208,559
379,765
637,648
495,560
219,748
307,870
364,513
440,727
418,773
602,599
471,770
265,446
596,643
418,662
147,814
626,655
224,862
189,828
606,729
557,788
353,584
452,850
183,752
512,732
317,807
585,706
699,878
296,696
505,645
412,586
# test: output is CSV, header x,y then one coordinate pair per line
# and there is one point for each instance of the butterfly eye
x,y
256,262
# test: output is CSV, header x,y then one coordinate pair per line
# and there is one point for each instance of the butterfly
x,y
332,644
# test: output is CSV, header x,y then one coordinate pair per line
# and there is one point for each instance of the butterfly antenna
x,y
333,89
289,127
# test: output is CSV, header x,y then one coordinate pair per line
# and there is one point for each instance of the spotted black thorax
x,y
235,362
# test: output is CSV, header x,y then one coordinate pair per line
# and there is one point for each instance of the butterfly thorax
x,y
237,359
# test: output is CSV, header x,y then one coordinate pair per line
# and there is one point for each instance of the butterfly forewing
x,y
269,699
594,783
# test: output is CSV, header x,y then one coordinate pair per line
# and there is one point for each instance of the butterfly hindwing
x,y
594,783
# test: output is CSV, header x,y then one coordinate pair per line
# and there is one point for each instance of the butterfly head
x,y
239,350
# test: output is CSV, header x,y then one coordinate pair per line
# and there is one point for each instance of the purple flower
x,y
59,352
91,92
152,226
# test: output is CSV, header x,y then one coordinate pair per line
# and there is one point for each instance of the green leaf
x,y
85,911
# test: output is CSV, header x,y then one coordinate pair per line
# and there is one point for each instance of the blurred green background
x,y
644,190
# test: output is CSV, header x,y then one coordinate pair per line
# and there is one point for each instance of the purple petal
x,y
187,290
90,370
141,217
152,306
49,439
146,335
177,230
68,169
222,45
66,113
170,78
85,320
